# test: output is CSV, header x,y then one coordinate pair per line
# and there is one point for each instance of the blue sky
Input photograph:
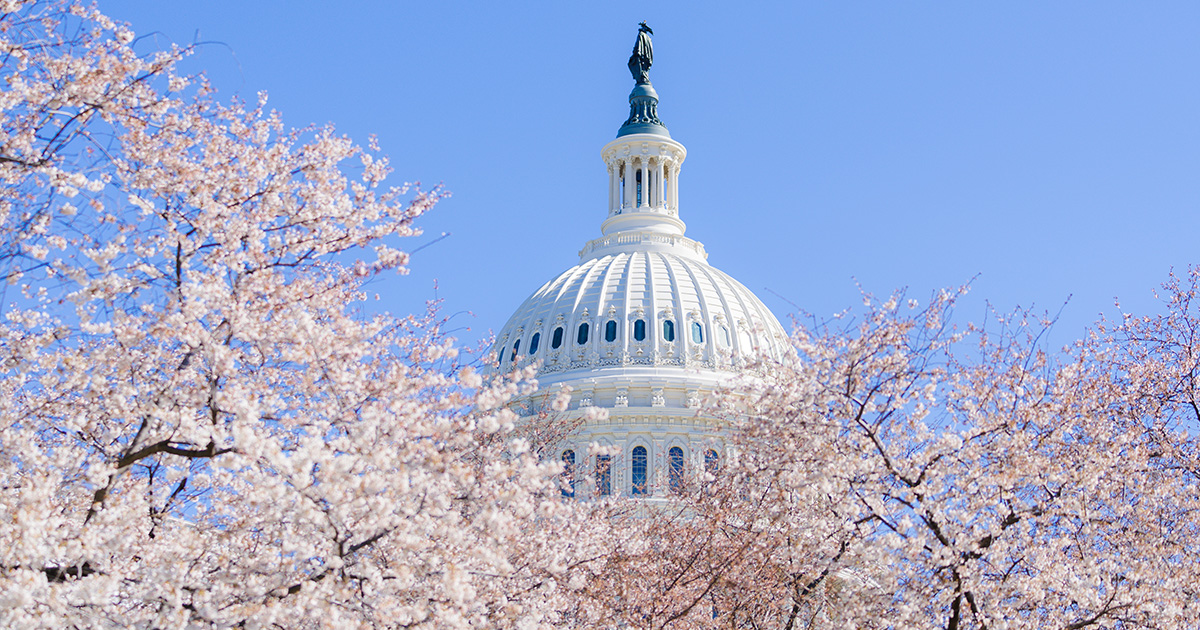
x,y
1048,150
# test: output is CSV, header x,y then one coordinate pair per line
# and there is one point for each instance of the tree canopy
x,y
202,426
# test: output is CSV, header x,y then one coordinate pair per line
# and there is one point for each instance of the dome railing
x,y
622,239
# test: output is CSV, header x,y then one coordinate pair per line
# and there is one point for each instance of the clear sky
x,y
1048,149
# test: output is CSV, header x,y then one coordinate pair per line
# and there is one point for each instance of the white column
x,y
633,182
645,176
627,178
668,184
656,183
615,187
620,172
660,193
652,186
675,187
611,179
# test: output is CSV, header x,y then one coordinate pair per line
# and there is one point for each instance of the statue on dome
x,y
643,55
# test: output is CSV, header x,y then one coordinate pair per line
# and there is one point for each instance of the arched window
x,y
567,487
603,475
639,330
638,178
610,331
697,332
556,340
583,334
640,462
712,461
533,343
675,472
516,346
668,330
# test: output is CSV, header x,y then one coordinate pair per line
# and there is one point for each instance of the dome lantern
x,y
643,163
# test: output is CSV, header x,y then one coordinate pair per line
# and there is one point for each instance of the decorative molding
x,y
627,239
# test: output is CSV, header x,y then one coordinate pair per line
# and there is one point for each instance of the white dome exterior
x,y
714,323
643,328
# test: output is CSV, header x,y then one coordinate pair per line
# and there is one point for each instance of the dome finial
x,y
643,55
643,100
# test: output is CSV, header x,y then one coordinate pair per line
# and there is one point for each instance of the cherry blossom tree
x,y
200,426
900,473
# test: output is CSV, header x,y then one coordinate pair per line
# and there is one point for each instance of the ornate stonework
x,y
643,326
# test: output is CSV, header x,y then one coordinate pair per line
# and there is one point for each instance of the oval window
x,y
533,343
556,340
697,332
668,330
639,330
610,331
583,334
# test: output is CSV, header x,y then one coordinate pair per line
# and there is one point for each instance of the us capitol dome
x,y
642,327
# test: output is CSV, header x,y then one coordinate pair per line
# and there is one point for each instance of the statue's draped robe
x,y
642,58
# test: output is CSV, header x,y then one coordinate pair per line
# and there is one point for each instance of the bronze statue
x,y
643,55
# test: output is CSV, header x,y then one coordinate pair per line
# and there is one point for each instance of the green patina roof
x,y
643,113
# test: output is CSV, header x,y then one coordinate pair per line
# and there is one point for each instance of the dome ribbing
x,y
692,315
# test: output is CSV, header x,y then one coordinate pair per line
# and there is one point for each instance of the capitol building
x,y
643,327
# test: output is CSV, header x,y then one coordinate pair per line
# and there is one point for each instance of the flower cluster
x,y
198,425
900,473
